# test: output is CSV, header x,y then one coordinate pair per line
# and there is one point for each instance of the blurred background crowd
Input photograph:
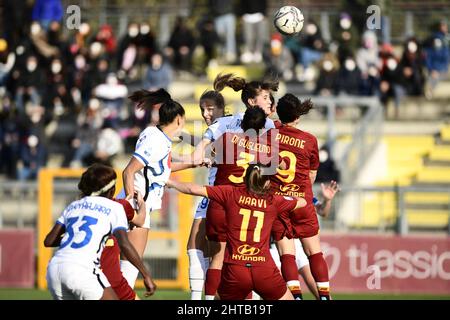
x,y
65,91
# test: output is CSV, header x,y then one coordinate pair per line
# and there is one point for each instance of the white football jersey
x,y
153,151
88,223
229,124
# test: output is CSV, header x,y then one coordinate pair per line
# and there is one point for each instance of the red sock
x,y
212,281
319,270
290,274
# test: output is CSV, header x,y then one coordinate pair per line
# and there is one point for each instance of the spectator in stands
x,y
39,39
327,81
159,73
80,41
278,59
181,46
47,11
346,37
7,60
411,68
312,48
34,156
90,123
146,42
209,39
368,61
112,94
348,78
15,16
327,168
106,37
29,84
255,29
437,52
9,138
225,25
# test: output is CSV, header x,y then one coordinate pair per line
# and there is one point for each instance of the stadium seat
x,y
427,218
440,153
438,198
445,133
439,175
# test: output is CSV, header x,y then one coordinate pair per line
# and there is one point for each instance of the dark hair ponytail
x,y
255,181
147,100
249,89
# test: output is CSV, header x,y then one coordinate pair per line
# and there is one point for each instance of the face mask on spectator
x,y
32,141
20,50
139,113
111,79
35,28
133,31
94,104
323,155
80,62
56,67
327,65
95,49
391,64
84,28
350,64
437,43
145,29
311,29
345,23
31,65
412,47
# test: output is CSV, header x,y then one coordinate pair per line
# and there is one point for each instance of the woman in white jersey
x,y
150,166
254,94
81,233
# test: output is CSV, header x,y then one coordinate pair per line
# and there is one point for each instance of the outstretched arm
x,y
188,188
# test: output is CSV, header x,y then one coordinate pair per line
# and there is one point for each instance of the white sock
x,y
197,272
130,272
255,296
209,297
205,264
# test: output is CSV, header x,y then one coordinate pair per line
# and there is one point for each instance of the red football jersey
x,y
234,152
249,220
299,153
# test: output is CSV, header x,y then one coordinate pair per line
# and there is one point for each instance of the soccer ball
x,y
288,20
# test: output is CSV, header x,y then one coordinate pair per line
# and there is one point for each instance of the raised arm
x,y
328,193
188,188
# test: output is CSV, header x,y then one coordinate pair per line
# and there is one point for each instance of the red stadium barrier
x,y
17,267
388,264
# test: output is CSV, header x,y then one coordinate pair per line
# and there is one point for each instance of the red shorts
x,y
110,265
216,225
304,222
282,227
238,282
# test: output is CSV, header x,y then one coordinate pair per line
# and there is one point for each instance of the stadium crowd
x,y
66,93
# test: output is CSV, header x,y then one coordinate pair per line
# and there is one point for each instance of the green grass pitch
x,y
35,294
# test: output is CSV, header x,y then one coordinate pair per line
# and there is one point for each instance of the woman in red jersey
x,y
250,212
299,156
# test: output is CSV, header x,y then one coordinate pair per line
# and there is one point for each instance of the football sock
x,y
319,270
290,275
130,272
212,283
196,273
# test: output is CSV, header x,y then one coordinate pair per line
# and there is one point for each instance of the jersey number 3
x,y
245,159
86,227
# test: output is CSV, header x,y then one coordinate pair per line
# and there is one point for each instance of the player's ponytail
x,y
168,109
290,108
256,181
97,180
228,80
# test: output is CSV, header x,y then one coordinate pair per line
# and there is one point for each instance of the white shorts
x,y
300,257
69,281
202,207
